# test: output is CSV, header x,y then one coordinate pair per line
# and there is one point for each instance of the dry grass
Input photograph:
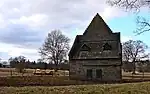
x,y
128,75
4,72
39,84
38,81
29,72
134,88
30,79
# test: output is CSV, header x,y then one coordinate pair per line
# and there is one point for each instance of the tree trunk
x,y
143,74
134,68
143,71
55,68
11,72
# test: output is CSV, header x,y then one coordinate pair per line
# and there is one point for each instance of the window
x,y
89,73
85,48
98,73
107,47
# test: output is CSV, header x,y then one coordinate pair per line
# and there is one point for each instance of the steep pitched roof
x,y
75,46
97,23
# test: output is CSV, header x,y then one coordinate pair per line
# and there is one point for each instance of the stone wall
x,y
78,70
97,48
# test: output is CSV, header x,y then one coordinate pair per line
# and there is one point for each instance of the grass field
x,y
138,76
134,88
29,81
4,72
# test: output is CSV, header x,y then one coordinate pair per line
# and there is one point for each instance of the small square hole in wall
x,y
107,47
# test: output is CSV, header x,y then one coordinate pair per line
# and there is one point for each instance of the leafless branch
x,y
143,25
55,47
134,50
130,4
136,6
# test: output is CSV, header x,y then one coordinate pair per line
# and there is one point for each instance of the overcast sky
x,y
24,24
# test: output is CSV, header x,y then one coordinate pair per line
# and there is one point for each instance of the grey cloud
x,y
61,13
66,15
21,36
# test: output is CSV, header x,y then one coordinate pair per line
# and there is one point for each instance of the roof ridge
x,y
100,19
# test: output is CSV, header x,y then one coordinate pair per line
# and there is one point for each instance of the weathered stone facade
x,y
96,55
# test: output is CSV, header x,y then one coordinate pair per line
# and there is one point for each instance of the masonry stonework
x,y
96,55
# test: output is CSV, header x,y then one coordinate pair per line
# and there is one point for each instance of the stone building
x,y
96,55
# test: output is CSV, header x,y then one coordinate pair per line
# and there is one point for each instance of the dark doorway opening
x,y
99,73
89,73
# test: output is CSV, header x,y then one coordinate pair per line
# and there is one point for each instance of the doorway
x,y
89,73
99,73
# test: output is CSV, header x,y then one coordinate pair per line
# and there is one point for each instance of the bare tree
x,y
39,60
55,47
18,63
143,25
133,51
4,62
